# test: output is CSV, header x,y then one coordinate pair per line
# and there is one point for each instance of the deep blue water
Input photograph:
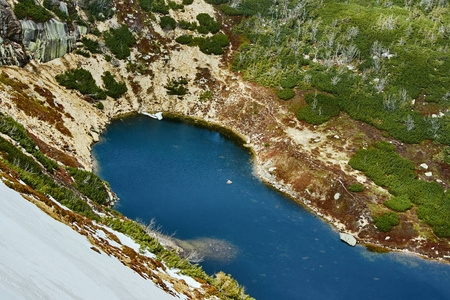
x,y
178,175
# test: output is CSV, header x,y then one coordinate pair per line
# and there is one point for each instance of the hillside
x,y
344,104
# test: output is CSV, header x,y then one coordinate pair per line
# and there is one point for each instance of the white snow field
x,y
41,258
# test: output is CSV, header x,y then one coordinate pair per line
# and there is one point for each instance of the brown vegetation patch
x,y
54,153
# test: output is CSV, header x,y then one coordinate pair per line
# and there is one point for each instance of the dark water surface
x,y
178,175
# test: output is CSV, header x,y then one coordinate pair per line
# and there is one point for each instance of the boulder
x,y
347,238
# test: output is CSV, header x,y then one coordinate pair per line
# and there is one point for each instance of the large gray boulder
x,y
49,40
347,238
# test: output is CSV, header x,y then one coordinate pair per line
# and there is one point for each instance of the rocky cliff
x,y
26,39
12,51
50,40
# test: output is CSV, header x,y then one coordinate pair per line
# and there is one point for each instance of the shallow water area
x,y
180,175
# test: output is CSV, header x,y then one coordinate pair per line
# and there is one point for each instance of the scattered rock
x,y
428,174
337,196
424,166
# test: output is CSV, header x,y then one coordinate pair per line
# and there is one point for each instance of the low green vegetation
x,y
100,10
90,185
400,203
388,169
113,88
81,80
208,45
177,87
356,188
157,6
206,95
31,173
18,133
168,23
90,45
225,286
207,24
355,51
119,41
286,94
29,9
386,221
320,108
83,53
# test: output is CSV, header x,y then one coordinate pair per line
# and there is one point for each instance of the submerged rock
x,y
50,40
347,238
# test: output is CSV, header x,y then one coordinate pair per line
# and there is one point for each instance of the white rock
x,y
229,181
347,238
337,196
428,174
336,136
387,238
424,166
271,169
438,180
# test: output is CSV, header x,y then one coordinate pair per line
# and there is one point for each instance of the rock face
x,y
12,51
49,40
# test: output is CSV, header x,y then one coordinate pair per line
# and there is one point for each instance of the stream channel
x,y
179,175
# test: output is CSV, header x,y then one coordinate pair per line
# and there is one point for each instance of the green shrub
x,y
18,133
168,23
100,105
216,2
206,95
400,203
95,31
29,9
386,168
90,185
30,173
286,94
81,80
386,221
208,22
188,2
288,82
187,25
113,88
184,39
174,6
83,53
177,87
90,45
157,6
356,187
119,41
101,9
231,11
320,109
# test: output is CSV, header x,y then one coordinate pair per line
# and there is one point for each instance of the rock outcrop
x,y
50,40
12,51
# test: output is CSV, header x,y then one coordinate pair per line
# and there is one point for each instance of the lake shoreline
x,y
271,182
